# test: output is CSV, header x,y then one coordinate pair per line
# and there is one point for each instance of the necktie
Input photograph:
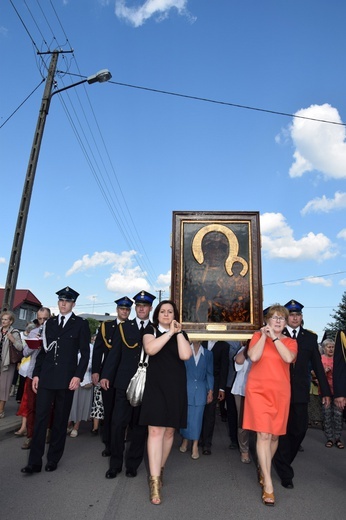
x,y
141,329
294,334
142,325
61,324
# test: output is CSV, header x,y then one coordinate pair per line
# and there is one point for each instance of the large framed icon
x,y
216,273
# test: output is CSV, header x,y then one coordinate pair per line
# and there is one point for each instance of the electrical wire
x,y
21,104
226,103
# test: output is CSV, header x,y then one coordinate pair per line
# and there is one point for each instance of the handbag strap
x,y
143,362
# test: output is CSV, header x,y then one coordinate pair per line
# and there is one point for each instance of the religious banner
x,y
216,273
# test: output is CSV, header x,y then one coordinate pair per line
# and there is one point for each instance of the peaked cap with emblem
x,y
125,301
67,294
294,306
144,297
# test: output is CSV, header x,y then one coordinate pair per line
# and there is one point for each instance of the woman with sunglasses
x,y
268,391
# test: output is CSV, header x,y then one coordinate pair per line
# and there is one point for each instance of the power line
x,y
236,105
305,278
21,104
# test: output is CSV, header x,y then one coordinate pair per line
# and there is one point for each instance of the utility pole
x,y
160,291
13,268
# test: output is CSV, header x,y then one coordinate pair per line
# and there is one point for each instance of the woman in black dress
x,y
164,406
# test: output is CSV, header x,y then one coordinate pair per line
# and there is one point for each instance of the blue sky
x,y
116,161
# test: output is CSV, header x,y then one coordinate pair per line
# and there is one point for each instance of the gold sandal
x,y
154,487
268,499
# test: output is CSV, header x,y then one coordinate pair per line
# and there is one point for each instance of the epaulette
x,y
103,332
312,331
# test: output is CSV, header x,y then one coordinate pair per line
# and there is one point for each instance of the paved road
x,y
218,487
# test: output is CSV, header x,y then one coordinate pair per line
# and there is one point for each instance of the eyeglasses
x,y
278,318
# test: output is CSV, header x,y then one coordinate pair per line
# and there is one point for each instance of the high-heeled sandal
x,y
154,489
268,499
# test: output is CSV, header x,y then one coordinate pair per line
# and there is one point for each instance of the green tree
x,y
339,317
93,325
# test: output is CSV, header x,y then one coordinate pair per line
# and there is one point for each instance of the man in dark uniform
x,y
56,375
308,358
119,368
103,344
339,370
220,350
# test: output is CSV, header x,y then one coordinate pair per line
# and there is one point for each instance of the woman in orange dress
x,y
268,391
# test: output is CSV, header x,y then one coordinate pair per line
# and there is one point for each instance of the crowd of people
x,y
265,383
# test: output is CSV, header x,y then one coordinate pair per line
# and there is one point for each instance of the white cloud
x,y
325,205
342,234
137,16
278,241
318,280
2,260
47,274
319,146
164,280
3,31
125,277
343,282
128,281
101,259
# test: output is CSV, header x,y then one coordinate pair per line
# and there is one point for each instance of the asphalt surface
x,y
216,487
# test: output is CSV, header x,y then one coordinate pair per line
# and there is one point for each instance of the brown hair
x,y
277,309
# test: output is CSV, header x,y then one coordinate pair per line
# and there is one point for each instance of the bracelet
x,y
275,339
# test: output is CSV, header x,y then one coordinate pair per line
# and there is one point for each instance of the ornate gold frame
x,y
216,273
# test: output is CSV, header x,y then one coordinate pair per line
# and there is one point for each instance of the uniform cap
x,y
294,306
144,297
124,301
67,294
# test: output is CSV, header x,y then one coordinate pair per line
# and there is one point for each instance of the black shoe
x,y
31,468
223,419
131,473
112,473
106,453
94,432
300,448
51,466
233,446
287,483
206,451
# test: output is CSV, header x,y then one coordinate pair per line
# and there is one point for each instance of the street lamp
x,y
13,268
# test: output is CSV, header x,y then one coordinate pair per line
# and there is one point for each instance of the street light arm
x,y
100,77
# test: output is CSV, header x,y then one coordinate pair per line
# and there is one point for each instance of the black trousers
x,y
62,402
125,415
232,415
288,447
108,399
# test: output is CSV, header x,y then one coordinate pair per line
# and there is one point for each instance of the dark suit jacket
x,y
308,358
122,361
101,350
56,367
339,368
220,357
